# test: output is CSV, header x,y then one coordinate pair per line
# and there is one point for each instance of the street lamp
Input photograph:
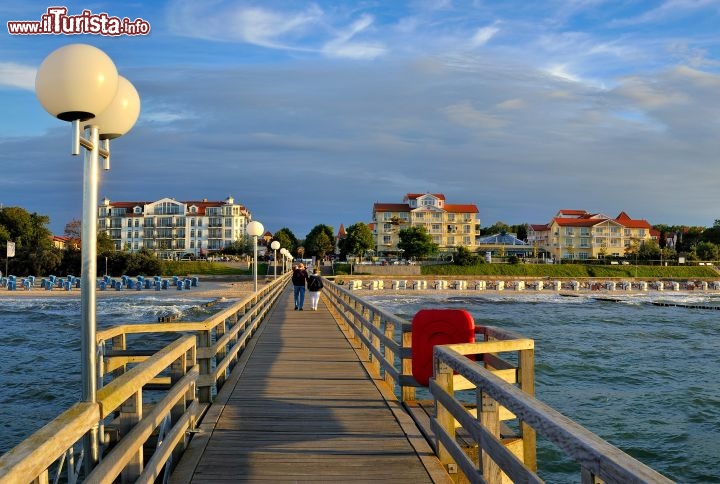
x,y
255,229
275,245
80,83
284,254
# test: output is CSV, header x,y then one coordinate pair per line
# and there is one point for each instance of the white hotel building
x,y
170,228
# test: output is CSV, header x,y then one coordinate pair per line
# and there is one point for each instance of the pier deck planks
x,y
301,407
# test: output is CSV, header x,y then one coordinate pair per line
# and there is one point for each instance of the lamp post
x,y
80,83
255,229
275,245
282,254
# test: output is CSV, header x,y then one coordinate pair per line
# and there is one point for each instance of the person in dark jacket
x,y
299,279
315,285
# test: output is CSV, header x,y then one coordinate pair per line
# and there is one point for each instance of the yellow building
x,y
449,225
579,235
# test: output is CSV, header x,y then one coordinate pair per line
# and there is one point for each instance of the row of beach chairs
x,y
463,285
70,282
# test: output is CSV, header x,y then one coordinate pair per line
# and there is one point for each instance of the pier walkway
x,y
300,406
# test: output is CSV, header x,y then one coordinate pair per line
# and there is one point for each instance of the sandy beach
x,y
206,289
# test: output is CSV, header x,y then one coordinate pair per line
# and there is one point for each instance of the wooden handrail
x,y
33,456
598,458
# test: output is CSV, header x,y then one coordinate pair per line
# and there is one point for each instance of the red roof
x,y
461,208
201,205
413,196
391,207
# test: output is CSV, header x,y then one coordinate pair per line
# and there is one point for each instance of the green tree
x,y
648,250
241,246
706,251
34,251
416,242
287,239
357,241
465,257
105,244
320,241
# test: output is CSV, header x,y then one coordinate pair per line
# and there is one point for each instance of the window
x,y
387,227
387,240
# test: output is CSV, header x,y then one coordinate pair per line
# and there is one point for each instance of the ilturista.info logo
x,y
56,21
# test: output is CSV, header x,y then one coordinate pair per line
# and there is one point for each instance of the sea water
x,y
40,351
645,378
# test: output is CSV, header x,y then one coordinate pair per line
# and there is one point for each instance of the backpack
x,y
315,283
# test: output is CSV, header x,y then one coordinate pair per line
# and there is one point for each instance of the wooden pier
x,y
300,406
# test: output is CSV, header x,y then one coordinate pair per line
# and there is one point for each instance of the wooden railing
x,y
480,446
187,372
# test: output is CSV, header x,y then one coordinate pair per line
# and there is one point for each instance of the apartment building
x,y
171,228
577,234
450,225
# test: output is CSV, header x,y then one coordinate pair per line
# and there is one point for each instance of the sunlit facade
x,y
173,229
449,225
579,235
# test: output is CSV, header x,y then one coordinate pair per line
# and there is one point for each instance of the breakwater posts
x,y
655,303
519,285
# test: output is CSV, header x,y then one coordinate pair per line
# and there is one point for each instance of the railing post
x,y
178,369
526,380
443,377
389,355
222,352
489,416
119,342
130,415
407,392
374,319
204,341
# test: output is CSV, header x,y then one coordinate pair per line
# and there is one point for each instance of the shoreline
x,y
205,289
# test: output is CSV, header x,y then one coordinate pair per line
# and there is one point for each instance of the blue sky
x,y
309,112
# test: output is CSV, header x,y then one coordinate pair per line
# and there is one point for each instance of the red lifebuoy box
x,y
432,327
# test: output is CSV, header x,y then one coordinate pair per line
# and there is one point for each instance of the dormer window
x,y
137,210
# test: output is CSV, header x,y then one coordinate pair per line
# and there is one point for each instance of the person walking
x,y
299,279
315,285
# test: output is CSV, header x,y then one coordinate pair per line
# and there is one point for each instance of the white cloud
x,y
344,45
483,35
232,22
17,75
